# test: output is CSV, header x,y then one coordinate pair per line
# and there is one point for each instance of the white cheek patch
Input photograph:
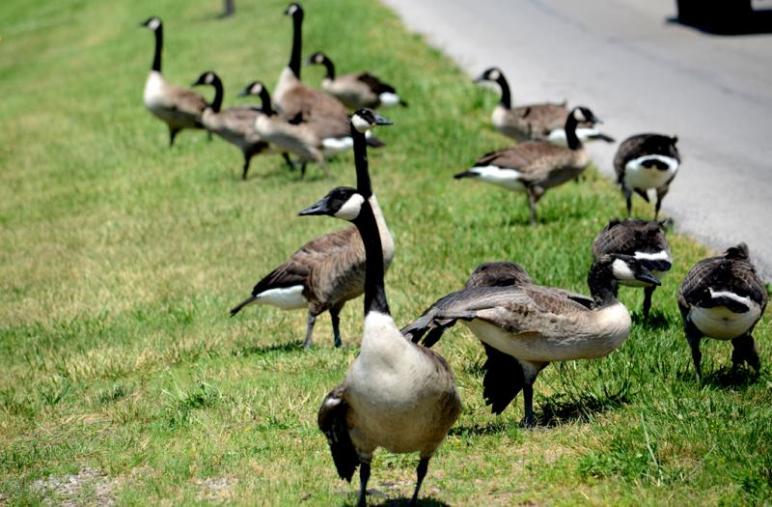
x,y
622,271
360,123
653,256
494,75
351,208
256,89
154,23
579,116
292,9
332,402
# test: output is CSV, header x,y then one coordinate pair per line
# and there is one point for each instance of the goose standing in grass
x,y
396,395
357,90
535,166
330,270
644,240
178,107
644,162
723,298
323,114
544,121
525,327
235,124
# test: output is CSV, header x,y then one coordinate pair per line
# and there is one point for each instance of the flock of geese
x,y
399,394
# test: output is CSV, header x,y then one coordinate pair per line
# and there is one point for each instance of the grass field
x,y
122,379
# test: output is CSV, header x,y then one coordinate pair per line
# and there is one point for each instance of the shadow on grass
x,y
557,410
656,320
397,502
249,350
491,428
730,378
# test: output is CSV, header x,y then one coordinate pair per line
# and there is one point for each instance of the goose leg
x,y
245,169
647,293
303,169
628,200
423,466
335,317
172,134
288,161
364,476
693,336
745,351
661,193
309,330
532,205
528,419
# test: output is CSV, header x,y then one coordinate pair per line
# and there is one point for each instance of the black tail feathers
x,y
504,379
332,422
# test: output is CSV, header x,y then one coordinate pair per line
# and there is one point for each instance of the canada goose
x,y
235,124
498,274
324,115
534,121
396,394
329,270
722,297
644,240
178,107
534,166
357,90
646,161
525,327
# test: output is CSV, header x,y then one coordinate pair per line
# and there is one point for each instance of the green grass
x,y
119,259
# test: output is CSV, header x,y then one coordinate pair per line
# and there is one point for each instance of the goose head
x,y
609,270
153,23
341,202
294,10
318,58
364,119
582,114
492,74
257,88
206,78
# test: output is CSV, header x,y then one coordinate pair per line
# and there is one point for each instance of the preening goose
x,y
178,107
525,327
330,270
644,240
723,297
544,121
644,162
323,114
535,166
357,90
235,124
396,395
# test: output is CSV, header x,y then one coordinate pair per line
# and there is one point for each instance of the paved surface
x,y
638,72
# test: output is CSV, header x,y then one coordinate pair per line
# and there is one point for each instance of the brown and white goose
x,y
396,394
330,270
535,166
235,124
644,162
525,327
356,90
178,107
723,298
544,121
642,239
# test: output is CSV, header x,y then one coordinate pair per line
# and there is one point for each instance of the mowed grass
x,y
119,259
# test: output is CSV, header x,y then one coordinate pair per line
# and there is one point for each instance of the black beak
x,y
600,136
246,91
596,121
195,83
381,120
321,207
479,79
646,276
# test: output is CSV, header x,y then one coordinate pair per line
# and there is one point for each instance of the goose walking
x,y
644,240
525,327
544,121
357,90
396,395
178,107
236,125
723,298
329,270
535,166
644,162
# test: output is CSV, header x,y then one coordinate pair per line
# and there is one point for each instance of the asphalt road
x,y
639,73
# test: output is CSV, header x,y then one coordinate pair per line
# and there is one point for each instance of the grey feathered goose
x,y
642,239
178,107
323,114
396,395
356,90
644,162
235,124
535,166
544,121
525,327
723,298
330,270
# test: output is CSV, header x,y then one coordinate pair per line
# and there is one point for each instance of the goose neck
x,y
506,96
375,291
364,185
603,286
219,94
297,44
571,138
329,68
159,45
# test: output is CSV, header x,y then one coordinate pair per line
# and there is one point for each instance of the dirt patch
x,y
87,487
215,489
